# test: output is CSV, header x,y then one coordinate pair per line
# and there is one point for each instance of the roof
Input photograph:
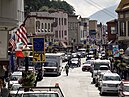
x,y
110,74
17,73
124,5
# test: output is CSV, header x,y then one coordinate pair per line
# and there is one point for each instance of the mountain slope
x,y
105,15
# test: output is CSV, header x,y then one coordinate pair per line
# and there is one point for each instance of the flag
x,y
19,53
12,42
22,35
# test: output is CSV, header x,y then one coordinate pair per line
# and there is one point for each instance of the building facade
x,y
73,30
123,23
40,26
11,13
84,30
92,31
59,26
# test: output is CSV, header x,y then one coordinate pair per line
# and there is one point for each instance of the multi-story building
x,y
11,16
92,31
40,26
84,30
112,31
73,30
59,26
123,23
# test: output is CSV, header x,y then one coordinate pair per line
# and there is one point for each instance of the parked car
x,y
15,77
123,90
110,83
86,67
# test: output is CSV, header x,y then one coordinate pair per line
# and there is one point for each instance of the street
x,y
77,84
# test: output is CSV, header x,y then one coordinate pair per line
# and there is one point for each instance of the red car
x,y
86,67
123,90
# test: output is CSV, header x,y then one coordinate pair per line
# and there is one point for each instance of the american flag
x,y
12,42
22,35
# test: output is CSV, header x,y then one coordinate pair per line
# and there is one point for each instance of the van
x,y
96,67
53,64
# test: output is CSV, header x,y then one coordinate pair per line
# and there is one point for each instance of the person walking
x,y
67,69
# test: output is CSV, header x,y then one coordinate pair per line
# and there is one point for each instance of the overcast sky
x,y
85,8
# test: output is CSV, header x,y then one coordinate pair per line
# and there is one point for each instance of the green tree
x,y
41,5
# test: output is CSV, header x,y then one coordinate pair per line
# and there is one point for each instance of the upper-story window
x,y
38,26
65,32
122,29
59,21
56,34
48,27
113,30
65,21
62,21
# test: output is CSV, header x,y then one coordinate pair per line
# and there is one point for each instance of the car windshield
x,y
15,77
126,88
97,65
50,64
41,95
113,78
103,68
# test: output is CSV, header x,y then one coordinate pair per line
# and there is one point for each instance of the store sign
x,y
3,45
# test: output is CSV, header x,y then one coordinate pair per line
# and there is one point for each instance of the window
x,y
48,27
59,34
65,21
59,21
65,33
85,24
45,25
37,25
113,30
122,29
62,34
56,20
56,34
62,21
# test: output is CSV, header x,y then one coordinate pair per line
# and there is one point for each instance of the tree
x,y
41,5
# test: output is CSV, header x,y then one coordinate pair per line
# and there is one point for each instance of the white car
x,y
15,78
39,92
110,83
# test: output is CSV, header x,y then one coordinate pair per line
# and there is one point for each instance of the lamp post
x,y
26,52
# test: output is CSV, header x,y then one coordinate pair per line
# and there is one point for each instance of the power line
x,y
102,7
95,5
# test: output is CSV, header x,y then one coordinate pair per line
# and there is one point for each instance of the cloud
x,y
85,8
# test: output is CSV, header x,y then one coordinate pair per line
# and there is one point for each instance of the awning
x,y
127,51
63,44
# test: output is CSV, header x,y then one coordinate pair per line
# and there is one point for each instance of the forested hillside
x,y
47,5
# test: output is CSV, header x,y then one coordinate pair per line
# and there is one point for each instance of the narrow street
x,y
77,84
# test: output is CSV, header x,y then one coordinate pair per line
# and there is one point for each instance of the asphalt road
x,y
77,84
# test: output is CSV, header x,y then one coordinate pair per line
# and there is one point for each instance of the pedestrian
x,y
67,69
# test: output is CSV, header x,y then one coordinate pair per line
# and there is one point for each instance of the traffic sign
x,y
39,57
